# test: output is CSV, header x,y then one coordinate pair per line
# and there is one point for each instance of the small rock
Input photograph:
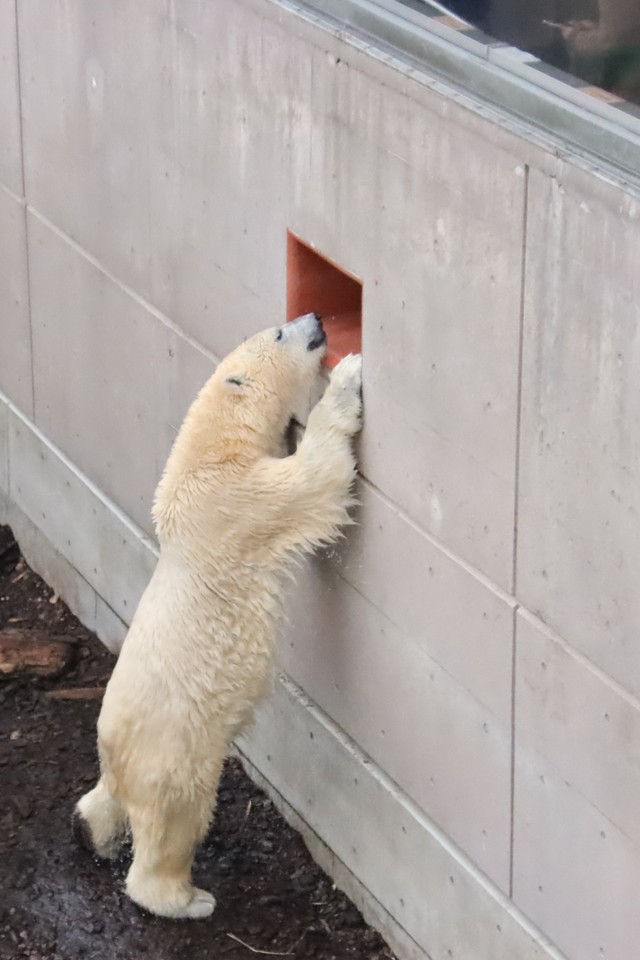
x,y
270,899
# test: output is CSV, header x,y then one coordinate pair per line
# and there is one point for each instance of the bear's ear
x,y
236,384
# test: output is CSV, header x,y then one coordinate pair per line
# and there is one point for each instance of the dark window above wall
x,y
597,41
570,67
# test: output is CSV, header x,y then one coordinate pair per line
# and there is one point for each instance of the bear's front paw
x,y
345,392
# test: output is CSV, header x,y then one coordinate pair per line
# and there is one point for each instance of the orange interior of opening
x,y
316,284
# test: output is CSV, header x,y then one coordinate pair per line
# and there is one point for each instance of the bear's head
x,y
244,411
270,381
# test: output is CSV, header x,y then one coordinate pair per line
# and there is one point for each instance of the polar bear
x,y
231,511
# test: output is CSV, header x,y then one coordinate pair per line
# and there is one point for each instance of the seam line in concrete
x,y
523,280
612,684
111,506
27,250
512,787
467,567
415,644
5,188
516,504
124,287
24,212
19,82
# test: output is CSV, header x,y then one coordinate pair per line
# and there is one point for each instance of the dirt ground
x,y
58,903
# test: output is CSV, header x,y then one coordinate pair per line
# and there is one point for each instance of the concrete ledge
x,y
409,880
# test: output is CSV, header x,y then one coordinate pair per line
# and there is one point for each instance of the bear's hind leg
x,y
165,837
99,821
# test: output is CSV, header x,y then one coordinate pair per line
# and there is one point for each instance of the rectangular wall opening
x,y
316,284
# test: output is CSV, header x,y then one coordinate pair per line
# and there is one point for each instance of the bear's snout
x,y
309,328
318,340
318,336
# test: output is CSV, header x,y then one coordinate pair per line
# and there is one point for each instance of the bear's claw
x,y
201,906
179,904
347,375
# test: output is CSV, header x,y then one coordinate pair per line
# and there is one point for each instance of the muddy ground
x,y
57,903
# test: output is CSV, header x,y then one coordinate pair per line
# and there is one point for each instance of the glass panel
x,y
597,41
569,67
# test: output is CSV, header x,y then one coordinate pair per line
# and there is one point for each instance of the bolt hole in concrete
x,y
316,284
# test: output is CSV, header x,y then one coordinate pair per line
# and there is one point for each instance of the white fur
x,y
231,512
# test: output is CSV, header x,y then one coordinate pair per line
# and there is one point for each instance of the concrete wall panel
x,y
579,508
577,792
10,141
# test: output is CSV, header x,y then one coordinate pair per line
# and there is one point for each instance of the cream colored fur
x,y
230,512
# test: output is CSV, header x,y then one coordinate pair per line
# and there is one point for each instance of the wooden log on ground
x,y
26,653
76,693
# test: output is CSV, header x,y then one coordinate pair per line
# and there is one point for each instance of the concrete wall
x,y
457,729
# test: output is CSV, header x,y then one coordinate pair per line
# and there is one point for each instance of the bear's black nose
x,y
319,338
